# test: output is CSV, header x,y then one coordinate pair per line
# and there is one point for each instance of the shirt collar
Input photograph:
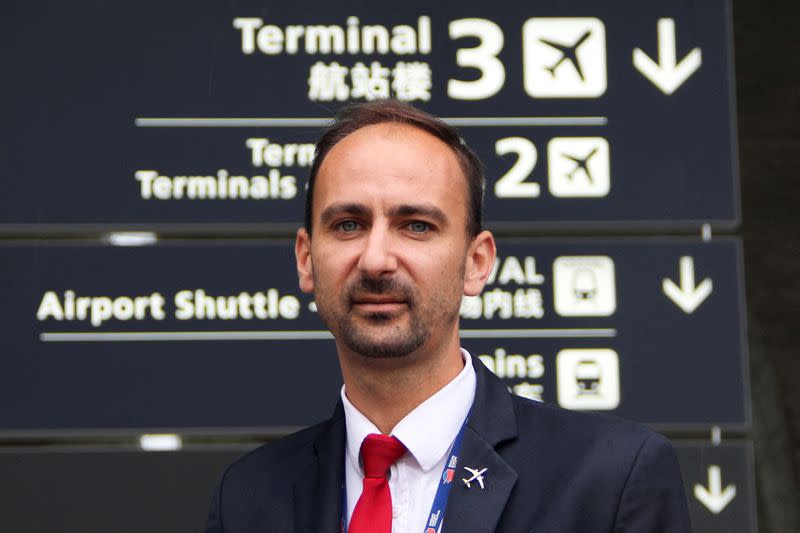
x,y
429,430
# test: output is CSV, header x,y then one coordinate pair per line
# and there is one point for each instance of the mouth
x,y
378,304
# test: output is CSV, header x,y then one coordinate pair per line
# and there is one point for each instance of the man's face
x,y
389,251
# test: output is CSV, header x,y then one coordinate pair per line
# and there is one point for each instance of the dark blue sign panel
x,y
720,486
211,335
203,114
602,325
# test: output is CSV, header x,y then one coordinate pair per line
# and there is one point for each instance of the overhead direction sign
x,y
581,323
624,338
587,115
720,488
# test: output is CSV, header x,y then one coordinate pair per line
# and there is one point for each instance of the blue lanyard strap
x,y
435,517
445,484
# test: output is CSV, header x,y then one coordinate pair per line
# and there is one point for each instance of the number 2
x,y
512,184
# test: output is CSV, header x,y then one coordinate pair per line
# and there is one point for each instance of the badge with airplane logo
x,y
477,475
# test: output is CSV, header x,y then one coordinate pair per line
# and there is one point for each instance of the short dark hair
x,y
356,116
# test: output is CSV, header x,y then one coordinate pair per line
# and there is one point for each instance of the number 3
x,y
483,57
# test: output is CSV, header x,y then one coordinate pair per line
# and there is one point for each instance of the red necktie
x,y
373,512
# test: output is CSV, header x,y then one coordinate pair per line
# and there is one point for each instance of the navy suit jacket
x,y
549,470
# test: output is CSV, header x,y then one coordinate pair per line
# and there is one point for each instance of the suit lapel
x,y
491,423
476,509
318,489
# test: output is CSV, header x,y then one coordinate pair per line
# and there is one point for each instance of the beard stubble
x,y
378,337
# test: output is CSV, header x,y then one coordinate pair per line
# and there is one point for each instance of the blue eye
x,y
348,226
419,227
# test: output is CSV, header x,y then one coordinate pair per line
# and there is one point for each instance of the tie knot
x,y
379,452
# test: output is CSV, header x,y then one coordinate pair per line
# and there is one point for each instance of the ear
x,y
302,254
480,259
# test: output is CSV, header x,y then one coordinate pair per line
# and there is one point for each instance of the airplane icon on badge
x,y
477,475
568,53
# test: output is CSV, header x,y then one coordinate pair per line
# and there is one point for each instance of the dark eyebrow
x,y
335,210
403,211
428,211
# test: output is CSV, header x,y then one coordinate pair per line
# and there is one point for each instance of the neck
x,y
385,390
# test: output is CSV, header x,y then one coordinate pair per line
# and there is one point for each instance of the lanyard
x,y
435,517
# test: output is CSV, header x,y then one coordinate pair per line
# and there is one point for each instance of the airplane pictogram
x,y
578,167
564,57
477,475
568,53
581,164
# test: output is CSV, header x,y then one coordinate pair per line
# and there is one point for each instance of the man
x,y
425,438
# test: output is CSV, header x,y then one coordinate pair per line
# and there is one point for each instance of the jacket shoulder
x,y
560,423
605,446
275,459
619,474
255,490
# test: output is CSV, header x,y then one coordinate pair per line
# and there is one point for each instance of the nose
x,y
377,257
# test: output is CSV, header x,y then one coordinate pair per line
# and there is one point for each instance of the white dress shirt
x,y
428,433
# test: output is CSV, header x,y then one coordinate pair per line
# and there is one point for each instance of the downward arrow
x,y
714,497
667,74
687,296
